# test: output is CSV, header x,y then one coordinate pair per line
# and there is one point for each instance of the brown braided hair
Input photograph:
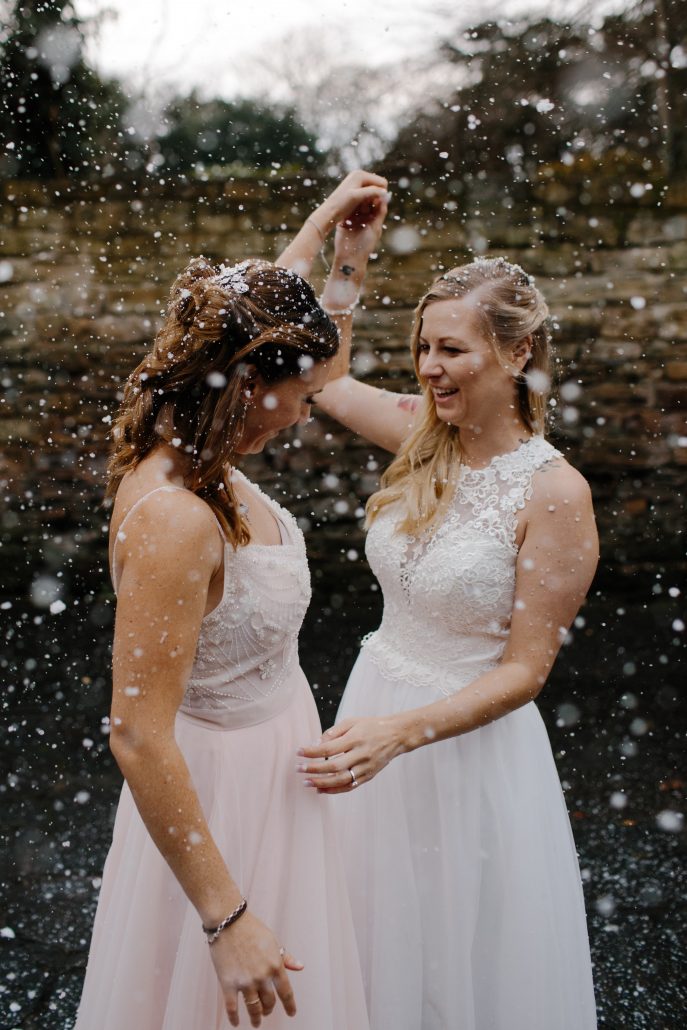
x,y
194,377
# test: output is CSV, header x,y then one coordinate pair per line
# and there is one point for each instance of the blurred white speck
x,y
6,271
216,380
670,821
638,303
570,391
45,590
618,800
567,714
605,905
56,607
538,381
404,240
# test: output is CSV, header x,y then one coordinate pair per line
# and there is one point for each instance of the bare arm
x,y
355,189
555,566
169,555
381,416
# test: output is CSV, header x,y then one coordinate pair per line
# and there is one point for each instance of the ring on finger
x,y
253,1002
354,782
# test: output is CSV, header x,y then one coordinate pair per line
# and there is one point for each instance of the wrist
x,y
213,910
411,733
350,268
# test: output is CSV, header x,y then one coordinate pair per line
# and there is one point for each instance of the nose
x,y
304,416
431,366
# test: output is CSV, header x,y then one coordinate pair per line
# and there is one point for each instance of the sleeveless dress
x,y
246,710
461,865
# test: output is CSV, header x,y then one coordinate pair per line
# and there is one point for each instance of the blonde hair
x,y
510,309
190,389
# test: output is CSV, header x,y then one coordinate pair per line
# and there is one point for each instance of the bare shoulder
x,y
559,485
170,526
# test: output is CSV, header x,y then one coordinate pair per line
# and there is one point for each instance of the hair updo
x,y
190,387
509,308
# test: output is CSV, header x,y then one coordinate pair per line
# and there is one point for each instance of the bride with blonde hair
x,y
461,865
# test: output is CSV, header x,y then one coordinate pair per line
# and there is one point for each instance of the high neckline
x,y
498,458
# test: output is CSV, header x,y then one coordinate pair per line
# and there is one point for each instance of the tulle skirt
x,y
149,967
463,877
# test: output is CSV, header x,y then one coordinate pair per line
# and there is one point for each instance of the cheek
x,y
475,363
269,405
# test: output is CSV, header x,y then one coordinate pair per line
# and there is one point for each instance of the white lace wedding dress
x,y
460,859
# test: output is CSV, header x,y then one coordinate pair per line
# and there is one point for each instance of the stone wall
x,y
85,270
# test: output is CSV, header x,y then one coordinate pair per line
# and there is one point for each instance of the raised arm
x,y
169,555
381,416
355,189
555,567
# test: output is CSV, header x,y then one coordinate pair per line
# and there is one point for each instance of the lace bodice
x,y
448,598
247,648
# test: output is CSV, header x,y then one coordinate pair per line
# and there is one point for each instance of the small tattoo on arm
x,y
347,270
408,403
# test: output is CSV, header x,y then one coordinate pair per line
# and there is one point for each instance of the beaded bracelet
x,y
213,932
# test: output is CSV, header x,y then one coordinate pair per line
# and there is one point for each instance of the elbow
x,y
134,750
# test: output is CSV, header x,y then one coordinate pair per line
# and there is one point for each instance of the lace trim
x,y
480,503
418,672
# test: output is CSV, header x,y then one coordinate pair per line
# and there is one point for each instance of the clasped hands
x,y
362,746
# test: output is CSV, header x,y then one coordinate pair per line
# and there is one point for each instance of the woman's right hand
x,y
248,960
350,195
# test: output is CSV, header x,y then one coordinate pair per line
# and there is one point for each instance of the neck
x,y
480,444
171,464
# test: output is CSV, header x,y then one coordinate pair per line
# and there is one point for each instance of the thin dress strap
x,y
121,535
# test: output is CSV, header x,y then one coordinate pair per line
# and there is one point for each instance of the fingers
x,y
267,997
323,748
363,208
367,178
338,729
292,963
254,1008
283,987
231,1003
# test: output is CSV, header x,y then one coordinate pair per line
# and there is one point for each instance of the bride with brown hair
x,y
222,868
462,869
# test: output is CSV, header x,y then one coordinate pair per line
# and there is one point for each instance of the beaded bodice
x,y
448,597
248,644
247,649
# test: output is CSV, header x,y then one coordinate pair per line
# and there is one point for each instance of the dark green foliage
x,y
536,90
244,132
57,116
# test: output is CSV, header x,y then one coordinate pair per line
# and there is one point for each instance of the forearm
x,y
163,791
494,694
339,298
305,246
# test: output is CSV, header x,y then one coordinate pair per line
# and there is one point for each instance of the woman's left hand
x,y
361,747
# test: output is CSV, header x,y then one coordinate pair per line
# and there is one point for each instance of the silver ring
x,y
354,782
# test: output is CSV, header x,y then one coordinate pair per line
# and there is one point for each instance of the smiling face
x,y
460,366
274,407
